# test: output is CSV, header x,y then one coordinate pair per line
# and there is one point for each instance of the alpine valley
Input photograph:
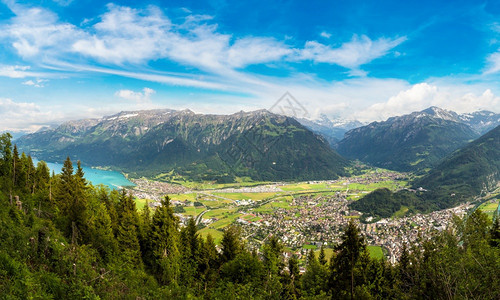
x,y
253,205
444,149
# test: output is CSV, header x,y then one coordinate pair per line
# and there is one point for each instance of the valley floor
x,y
303,215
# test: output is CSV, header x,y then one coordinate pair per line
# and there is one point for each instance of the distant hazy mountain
x,y
258,144
410,142
481,121
332,130
15,134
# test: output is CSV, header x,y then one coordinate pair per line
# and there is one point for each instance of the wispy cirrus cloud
x,y
37,32
493,61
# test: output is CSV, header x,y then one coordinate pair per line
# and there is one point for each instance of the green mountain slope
x,y
463,175
259,144
469,171
407,143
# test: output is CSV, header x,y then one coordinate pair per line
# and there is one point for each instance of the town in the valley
x,y
304,216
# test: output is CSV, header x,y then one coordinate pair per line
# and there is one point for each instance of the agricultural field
x,y
249,202
375,251
191,197
245,196
193,211
140,203
328,253
490,207
216,234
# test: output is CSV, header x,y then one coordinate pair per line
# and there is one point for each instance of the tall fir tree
x,y
164,237
127,231
231,243
348,254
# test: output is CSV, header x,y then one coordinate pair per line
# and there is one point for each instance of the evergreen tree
x,y
207,262
145,232
6,161
404,271
495,234
322,256
190,252
23,173
16,167
127,231
111,201
294,286
273,265
31,175
314,279
41,177
231,243
40,188
63,197
164,239
348,254
100,233
6,165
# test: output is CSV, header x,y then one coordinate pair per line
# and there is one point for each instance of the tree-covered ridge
x,y
260,145
62,238
470,171
465,174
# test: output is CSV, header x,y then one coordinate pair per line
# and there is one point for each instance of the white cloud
x,y
36,30
17,116
139,97
423,95
127,35
131,35
494,63
351,55
37,83
325,34
18,72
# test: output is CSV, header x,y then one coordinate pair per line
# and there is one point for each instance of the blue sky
x,y
365,60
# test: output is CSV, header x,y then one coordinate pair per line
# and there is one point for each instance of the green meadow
x,y
375,251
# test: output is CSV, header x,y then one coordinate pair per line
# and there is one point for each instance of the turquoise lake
x,y
112,179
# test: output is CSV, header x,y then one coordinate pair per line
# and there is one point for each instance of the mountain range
x,y
332,130
416,141
463,175
257,145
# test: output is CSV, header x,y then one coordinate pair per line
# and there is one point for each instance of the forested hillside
x,y
470,171
465,174
61,238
